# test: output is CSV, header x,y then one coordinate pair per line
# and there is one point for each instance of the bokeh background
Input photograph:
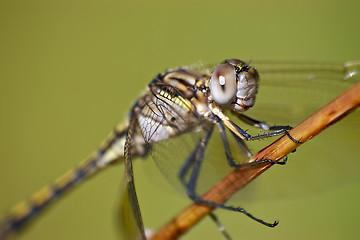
x,y
70,70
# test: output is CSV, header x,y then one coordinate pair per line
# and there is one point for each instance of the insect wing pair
x,y
185,108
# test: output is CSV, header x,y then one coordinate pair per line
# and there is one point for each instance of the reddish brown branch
x,y
237,179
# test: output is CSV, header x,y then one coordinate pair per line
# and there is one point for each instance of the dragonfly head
x,y
233,85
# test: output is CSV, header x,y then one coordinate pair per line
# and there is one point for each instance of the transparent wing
x,y
175,132
164,114
128,223
290,90
158,116
288,93
172,155
170,128
133,227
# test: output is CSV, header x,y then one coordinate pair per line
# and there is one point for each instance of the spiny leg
x,y
184,170
220,226
191,186
264,126
259,124
186,166
276,130
249,137
195,159
228,154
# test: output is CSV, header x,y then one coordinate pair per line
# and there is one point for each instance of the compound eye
x,y
223,83
235,62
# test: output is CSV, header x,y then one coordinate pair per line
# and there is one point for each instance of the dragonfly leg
x,y
246,136
220,226
199,149
229,156
259,124
213,217
198,156
251,121
186,167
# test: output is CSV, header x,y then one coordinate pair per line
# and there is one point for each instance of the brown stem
x,y
237,179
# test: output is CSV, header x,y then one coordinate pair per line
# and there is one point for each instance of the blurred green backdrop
x,y
70,70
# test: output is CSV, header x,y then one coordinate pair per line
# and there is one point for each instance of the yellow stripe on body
x,y
178,100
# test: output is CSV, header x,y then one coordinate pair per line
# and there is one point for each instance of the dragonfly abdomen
x,y
111,151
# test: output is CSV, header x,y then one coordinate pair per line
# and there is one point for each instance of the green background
x,y
70,70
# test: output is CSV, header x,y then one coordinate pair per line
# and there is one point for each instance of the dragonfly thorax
x,y
233,85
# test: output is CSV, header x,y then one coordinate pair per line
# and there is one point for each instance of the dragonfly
x,y
175,120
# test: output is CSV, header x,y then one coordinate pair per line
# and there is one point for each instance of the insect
x,y
183,108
